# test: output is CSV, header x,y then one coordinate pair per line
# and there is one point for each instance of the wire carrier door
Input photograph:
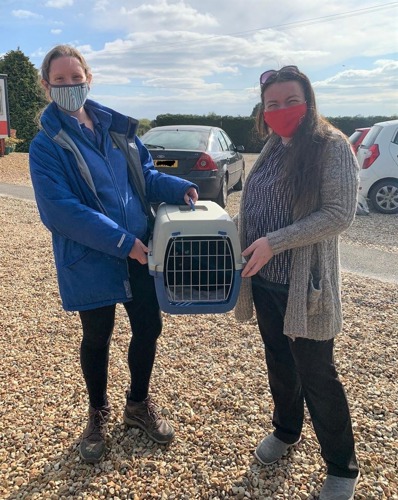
x,y
199,269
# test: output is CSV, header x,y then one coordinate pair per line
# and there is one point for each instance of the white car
x,y
378,159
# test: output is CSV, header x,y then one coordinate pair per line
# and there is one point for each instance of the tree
x,y
143,126
25,96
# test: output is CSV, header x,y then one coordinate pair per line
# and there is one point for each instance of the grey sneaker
x,y
338,488
146,416
271,449
92,445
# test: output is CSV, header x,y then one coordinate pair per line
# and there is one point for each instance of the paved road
x,y
23,192
369,262
356,259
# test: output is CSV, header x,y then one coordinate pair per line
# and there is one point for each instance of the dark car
x,y
201,154
357,137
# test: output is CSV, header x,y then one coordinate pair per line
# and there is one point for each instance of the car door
x,y
237,162
394,150
223,155
233,165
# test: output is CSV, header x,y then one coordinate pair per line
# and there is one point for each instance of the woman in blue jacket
x,y
94,182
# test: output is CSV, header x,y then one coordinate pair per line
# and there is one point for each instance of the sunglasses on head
x,y
271,72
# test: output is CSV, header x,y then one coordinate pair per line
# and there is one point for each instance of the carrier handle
x,y
193,207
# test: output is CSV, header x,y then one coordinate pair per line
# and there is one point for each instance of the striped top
x,y
269,208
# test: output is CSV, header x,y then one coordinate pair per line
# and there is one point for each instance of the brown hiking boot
x,y
92,445
145,415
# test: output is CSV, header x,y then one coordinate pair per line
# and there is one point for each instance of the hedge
x,y
241,129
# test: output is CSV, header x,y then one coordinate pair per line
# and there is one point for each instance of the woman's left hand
x,y
261,253
191,194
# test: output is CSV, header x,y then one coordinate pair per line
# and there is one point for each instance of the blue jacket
x,y
95,200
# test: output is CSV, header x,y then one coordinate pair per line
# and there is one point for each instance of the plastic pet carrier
x,y
195,258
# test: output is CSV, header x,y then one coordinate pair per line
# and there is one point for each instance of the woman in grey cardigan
x,y
300,195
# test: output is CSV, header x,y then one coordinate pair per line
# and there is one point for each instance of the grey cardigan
x,y
314,302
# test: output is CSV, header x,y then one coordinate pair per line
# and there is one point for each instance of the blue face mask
x,y
70,97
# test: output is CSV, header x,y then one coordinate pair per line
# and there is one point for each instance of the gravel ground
x,y
209,378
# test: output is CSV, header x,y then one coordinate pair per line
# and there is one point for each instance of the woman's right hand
x,y
260,253
139,252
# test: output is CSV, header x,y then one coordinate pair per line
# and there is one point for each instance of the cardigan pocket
x,y
314,296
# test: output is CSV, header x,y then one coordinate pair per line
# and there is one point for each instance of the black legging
x,y
146,326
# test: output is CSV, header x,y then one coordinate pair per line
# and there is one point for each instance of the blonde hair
x,y
62,51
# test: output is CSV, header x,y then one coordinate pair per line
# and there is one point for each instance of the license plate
x,y
166,163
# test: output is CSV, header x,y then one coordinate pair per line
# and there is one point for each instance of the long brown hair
x,y
303,161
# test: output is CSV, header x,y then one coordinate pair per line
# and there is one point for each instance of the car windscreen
x,y
177,139
370,137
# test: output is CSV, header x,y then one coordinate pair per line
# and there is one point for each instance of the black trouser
x,y
303,370
146,326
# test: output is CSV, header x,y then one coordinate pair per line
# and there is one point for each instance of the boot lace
x,y
98,420
153,411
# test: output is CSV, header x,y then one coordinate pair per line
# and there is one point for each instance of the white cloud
x,y
101,6
25,14
373,88
203,36
175,65
59,4
383,76
153,16
194,54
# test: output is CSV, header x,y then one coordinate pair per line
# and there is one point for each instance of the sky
x,y
204,56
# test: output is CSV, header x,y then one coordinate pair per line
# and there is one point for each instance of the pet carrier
x,y
195,258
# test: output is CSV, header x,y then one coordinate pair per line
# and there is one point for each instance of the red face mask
x,y
285,121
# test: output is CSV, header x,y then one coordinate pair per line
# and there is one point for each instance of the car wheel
x,y
384,196
223,194
239,185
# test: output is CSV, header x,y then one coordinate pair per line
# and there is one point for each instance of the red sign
x,y
4,111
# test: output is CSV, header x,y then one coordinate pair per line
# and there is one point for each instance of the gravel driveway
x,y
209,378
